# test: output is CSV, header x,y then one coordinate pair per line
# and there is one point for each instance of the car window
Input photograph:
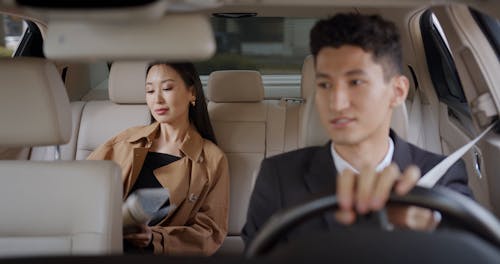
x,y
443,71
271,45
274,46
11,31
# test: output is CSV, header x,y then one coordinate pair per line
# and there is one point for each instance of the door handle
x,y
477,162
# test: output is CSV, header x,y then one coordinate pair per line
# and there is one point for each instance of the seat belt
x,y
293,106
275,128
432,177
415,121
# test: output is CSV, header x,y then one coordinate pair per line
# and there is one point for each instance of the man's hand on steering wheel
x,y
369,191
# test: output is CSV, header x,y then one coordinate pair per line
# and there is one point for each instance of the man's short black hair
x,y
370,32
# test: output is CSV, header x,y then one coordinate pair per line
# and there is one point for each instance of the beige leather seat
x,y
97,120
103,119
51,207
295,108
247,129
66,151
84,82
312,132
77,83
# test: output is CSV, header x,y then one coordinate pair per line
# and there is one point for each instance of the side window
x,y
19,37
443,71
11,31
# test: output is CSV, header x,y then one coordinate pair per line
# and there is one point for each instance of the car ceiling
x,y
266,8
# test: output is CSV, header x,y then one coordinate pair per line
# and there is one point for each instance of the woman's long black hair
x,y
198,114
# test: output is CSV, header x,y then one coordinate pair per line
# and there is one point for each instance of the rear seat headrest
x,y
307,79
235,86
127,82
34,106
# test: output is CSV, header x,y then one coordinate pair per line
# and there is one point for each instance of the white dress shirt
x,y
341,164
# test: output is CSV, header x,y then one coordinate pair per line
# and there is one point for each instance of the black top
x,y
147,179
153,161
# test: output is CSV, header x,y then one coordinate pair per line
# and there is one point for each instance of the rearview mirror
x,y
180,37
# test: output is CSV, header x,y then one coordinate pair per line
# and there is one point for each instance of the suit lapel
x,y
321,177
402,154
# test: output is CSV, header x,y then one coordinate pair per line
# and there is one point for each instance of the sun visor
x,y
178,37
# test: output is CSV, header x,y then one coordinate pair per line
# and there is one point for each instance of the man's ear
x,y
400,84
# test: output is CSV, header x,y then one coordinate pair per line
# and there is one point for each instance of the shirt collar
x,y
341,164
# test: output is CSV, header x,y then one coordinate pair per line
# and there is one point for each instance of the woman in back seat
x,y
178,152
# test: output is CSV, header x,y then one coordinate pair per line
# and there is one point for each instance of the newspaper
x,y
144,207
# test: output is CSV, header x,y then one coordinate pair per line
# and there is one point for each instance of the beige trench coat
x,y
198,184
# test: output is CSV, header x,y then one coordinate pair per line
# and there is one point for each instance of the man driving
x,y
359,81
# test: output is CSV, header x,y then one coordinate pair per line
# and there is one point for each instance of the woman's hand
x,y
142,238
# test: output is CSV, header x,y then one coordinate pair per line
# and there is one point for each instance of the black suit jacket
x,y
291,178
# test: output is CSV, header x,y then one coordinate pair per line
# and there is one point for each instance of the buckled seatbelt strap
x,y
433,176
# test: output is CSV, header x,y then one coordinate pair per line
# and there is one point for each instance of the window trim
x,y
488,25
437,55
31,44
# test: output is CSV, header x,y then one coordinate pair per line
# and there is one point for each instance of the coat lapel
x,y
142,140
183,178
175,177
138,158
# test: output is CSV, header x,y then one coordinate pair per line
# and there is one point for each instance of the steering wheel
x,y
453,206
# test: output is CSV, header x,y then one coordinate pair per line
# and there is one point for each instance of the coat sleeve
x,y
205,232
264,202
103,152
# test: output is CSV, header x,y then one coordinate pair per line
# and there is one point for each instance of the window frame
x,y
31,43
438,56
